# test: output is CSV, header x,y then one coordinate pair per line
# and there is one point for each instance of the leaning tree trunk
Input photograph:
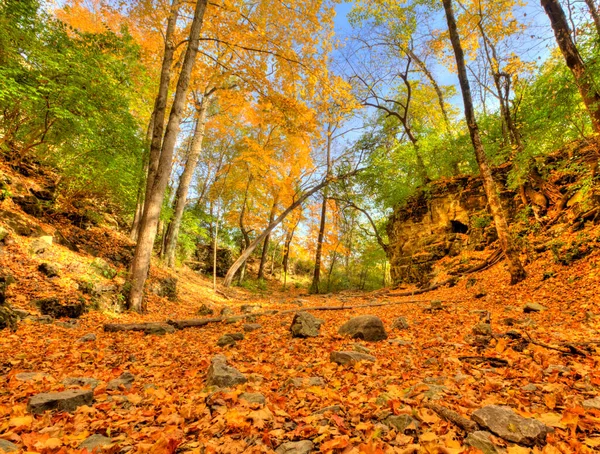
x,y
265,249
184,184
154,197
583,78
517,272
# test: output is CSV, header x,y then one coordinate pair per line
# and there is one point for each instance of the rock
x,y
253,398
248,308
558,369
204,310
43,319
224,376
8,318
159,329
81,382
592,404
400,323
226,311
401,423
534,307
482,329
94,442
33,376
61,401
480,439
305,325
299,302
360,348
3,234
7,446
307,382
125,380
67,324
40,245
54,308
295,447
401,342
344,358
168,288
366,327
530,388
235,319
90,337
49,269
102,267
505,423
248,327
21,314
436,305
226,339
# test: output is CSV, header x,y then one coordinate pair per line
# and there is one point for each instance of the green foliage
x,y
65,99
481,221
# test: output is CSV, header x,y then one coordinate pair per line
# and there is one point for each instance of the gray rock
x,y
401,342
366,327
40,245
592,404
253,398
305,325
400,323
307,382
125,380
534,307
7,446
81,382
480,439
49,269
344,358
205,310
248,308
401,423
22,314
530,388
226,339
360,348
61,401
33,376
94,442
90,337
295,447
235,319
248,327
159,329
505,423
482,329
224,376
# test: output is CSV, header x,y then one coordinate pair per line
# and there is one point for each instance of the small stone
x,y
226,311
224,376
69,324
530,388
402,342
248,327
305,325
253,398
226,339
295,447
7,446
33,376
344,358
205,310
49,269
81,382
90,337
505,423
95,441
235,319
592,404
125,379
534,307
400,323
248,308
402,423
482,329
366,327
436,305
480,439
61,401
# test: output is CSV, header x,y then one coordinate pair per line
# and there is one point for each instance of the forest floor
x,y
547,368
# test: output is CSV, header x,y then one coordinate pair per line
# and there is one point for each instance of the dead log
x,y
450,415
494,362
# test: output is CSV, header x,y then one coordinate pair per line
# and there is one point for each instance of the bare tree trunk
x,y
286,252
184,182
583,78
265,249
245,235
595,14
157,185
215,247
517,272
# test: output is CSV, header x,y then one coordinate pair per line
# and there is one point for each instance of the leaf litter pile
x,y
471,368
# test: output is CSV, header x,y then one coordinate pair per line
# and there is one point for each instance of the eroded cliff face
x,y
444,219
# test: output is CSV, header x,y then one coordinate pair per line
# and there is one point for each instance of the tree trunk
x,y
286,252
517,272
157,185
595,14
265,249
215,246
245,235
184,183
583,78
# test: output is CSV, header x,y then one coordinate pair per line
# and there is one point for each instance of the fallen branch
x,y
114,327
450,415
494,362
570,348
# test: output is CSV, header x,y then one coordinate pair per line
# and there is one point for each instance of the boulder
x,y
48,269
534,307
366,327
305,325
400,323
57,309
81,382
344,358
295,447
61,401
94,442
480,439
222,375
7,446
505,423
125,379
248,327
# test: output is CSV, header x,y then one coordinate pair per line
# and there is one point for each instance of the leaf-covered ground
x,y
170,409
